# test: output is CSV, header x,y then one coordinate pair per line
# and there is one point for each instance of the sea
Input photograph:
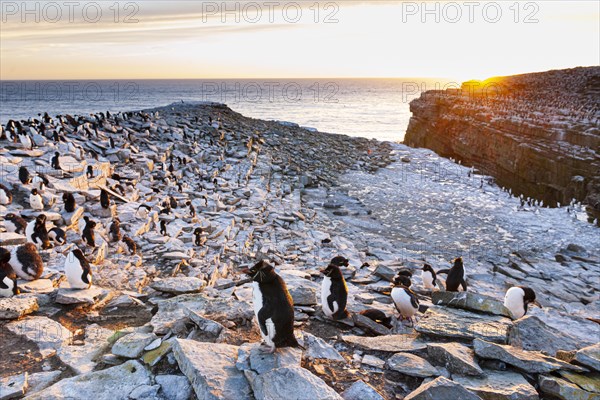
x,y
371,108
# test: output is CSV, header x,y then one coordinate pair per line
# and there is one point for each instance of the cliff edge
x,y
538,133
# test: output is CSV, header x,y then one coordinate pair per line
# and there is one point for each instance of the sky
x,y
310,39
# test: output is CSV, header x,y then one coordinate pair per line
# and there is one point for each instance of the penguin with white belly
x,y
405,300
518,298
6,196
26,262
273,307
14,223
36,232
78,271
334,292
57,235
8,278
35,200
88,235
428,276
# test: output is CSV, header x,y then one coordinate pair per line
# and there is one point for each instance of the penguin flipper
x,y
85,276
262,316
463,283
333,305
443,271
414,301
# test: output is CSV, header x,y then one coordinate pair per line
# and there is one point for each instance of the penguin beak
x,y
535,303
246,271
322,271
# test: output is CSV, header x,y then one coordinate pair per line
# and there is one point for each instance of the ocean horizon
x,y
375,108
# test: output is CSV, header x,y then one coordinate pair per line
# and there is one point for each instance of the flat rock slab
x,y
303,291
41,380
179,285
67,295
470,301
174,387
13,387
497,385
318,348
292,383
369,324
27,153
360,390
442,388
132,345
211,369
391,343
11,239
73,217
409,364
529,361
49,335
37,286
173,312
17,306
589,381
114,383
251,358
531,333
561,389
455,357
462,324
82,359
589,356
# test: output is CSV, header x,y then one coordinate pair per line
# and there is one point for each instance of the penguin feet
x,y
265,348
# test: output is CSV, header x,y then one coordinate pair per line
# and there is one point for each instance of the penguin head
x,y
34,192
402,280
197,231
458,262
427,267
332,271
40,219
529,297
405,272
261,272
339,261
91,224
4,255
10,216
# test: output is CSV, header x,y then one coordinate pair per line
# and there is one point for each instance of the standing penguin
x,y
334,292
89,172
69,201
36,232
114,230
163,228
35,200
131,245
143,211
6,196
57,235
405,300
55,161
104,199
273,307
14,223
517,299
24,175
8,279
88,236
192,209
77,270
456,276
26,262
198,236
428,276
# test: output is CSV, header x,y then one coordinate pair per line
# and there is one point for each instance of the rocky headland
x,y
173,319
537,134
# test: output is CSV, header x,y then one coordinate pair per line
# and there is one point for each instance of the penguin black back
x,y
88,234
24,175
114,231
277,305
69,201
456,276
378,316
104,199
40,233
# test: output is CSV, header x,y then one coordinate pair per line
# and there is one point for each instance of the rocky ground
x,y
175,320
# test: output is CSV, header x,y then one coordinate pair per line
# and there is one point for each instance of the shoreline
x,y
295,197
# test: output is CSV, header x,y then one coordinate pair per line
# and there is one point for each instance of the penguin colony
x,y
272,303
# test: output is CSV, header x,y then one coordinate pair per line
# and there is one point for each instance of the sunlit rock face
x,y
538,134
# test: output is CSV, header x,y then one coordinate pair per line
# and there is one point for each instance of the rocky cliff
x,y
538,134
